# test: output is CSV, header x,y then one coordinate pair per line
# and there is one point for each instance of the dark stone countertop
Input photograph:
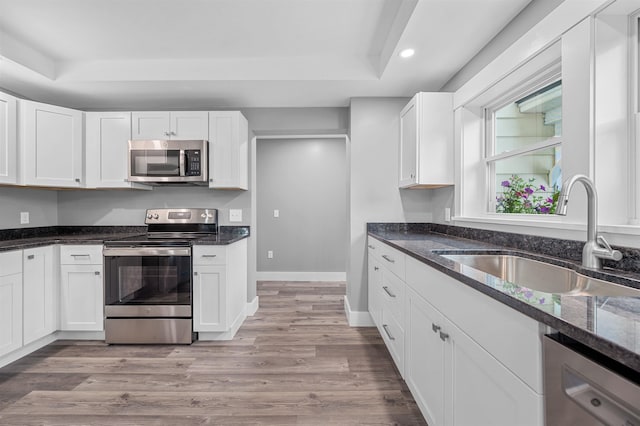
x,y
609,325
25,238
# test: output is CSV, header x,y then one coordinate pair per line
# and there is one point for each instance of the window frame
x,y
526,87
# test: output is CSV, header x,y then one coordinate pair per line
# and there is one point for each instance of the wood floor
x,y
296,362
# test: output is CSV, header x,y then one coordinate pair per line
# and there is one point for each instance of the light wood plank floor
x,y
295,362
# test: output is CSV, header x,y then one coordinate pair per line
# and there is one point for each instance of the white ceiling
x,y
157,54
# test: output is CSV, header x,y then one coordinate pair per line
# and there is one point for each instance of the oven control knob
x,y
155,216
203,215
149,216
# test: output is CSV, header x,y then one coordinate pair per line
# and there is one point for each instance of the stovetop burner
x,y
173,227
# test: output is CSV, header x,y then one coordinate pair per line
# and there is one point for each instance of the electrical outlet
x,y
235,215
24,218
447,214
270,254
276,213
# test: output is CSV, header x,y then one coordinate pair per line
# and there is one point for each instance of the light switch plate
x,y
447,214
276,213
24,218
235,215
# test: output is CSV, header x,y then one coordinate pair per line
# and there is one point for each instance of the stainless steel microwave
x,y
166,162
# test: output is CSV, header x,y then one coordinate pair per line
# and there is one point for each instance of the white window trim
x,y
634,120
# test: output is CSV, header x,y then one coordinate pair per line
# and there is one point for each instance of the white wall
x,y
374,194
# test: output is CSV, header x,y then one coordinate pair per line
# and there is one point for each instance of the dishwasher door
x,y
581,392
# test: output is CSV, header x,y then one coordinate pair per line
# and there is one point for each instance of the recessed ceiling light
x,y
407,53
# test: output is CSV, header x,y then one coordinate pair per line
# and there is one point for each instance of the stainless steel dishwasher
x,y
581,389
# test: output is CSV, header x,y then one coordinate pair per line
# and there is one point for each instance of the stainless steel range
x,y
148,278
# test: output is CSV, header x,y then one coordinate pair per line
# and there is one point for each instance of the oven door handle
x,y
146,251
183,157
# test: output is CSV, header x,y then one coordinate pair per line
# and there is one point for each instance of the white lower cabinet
x,y
219,289
40,301
467,359
10,301
81,288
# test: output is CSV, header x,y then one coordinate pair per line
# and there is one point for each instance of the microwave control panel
x,y
193,162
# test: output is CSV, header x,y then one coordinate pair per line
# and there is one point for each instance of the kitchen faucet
x,y
596,248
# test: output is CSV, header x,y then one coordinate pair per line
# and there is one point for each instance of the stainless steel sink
x,y
541,276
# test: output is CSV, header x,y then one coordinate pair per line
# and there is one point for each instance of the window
x,y
523,150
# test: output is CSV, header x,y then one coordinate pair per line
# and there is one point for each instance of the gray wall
x,y
373,193
305,179
523,22
42,206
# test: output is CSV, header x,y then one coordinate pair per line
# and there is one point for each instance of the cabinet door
x,y
228,150
8,141
190,125
106,149
424,359
209,298
482,390
10,313
409,144
39,301
375,284
52,145
151,125
82,298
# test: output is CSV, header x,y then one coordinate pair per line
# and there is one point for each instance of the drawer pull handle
x,y
209,255
388,259
386,289
372,247
31,256
96,273
195,274
435,327
443,336
80,255
386,330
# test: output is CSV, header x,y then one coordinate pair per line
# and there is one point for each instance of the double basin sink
x,y
540,276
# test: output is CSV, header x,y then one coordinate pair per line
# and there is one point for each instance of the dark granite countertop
x,y
610,325
25,238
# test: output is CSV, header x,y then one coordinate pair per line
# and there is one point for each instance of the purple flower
x,y
542,188
528,190
544,209
528,294
550,200
541,300
506,183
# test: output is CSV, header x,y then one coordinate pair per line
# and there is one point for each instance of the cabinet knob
x,y
375,268
31,256
78,180
167,133
443,336
372,247
97,272
172,133
195,274
435,327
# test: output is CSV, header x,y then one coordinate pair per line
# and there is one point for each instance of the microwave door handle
x,y
183,156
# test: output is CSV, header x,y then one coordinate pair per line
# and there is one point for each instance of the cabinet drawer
x,y
393,336
209,255
393,260
10,263
80,255
392,295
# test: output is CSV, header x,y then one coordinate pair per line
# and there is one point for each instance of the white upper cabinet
x,y
426,141
185,125
8,139
51,145
228,150
106,137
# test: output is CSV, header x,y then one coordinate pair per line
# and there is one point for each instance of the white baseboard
x,y
252,307
223,335
357,318
301,276
79,335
